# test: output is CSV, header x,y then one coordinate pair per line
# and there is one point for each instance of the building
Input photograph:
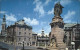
x,y
43,40
18,33
75,36
34,39
67,37
72,32
3,31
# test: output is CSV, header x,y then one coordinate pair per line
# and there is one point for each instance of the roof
x,y
34,33
69,24
77,25
21,24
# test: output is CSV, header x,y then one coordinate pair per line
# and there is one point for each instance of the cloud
x,y
39,8
42,23
3,12
64,2
31,22
51,11
47,1
68,16
11,17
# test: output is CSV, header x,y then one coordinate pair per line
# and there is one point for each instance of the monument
x,y
57,31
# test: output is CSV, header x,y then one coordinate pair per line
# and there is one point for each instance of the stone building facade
x,y
3,31
34,39
72,32
43,40
18,33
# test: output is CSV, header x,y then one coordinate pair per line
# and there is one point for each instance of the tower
x,y
3,31
57,30
42,32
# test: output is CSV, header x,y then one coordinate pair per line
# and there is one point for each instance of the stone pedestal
x,y
53,49
57,31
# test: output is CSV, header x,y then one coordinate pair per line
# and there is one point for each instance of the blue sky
x,y
38,13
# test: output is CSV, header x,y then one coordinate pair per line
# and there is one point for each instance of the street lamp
x,y
73,44
23,44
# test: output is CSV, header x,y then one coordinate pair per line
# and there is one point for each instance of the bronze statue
x,y
58,9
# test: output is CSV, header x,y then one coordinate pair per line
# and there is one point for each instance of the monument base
x,y
56,48
52,48
61,45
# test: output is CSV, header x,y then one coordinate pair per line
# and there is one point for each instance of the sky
x,y
38,13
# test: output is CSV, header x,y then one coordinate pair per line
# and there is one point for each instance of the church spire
x,y
4,23
3,31
4,20
42,32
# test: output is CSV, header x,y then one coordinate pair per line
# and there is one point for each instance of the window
x,y
34,37
33,43
19,28
15,32
19,43
24,39
29,33
29,39
65,27
25,28
28,44
19,39
42,41
19,33
3,27
25,32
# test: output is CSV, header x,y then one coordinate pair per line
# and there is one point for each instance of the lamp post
x,y
23,44
73,44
